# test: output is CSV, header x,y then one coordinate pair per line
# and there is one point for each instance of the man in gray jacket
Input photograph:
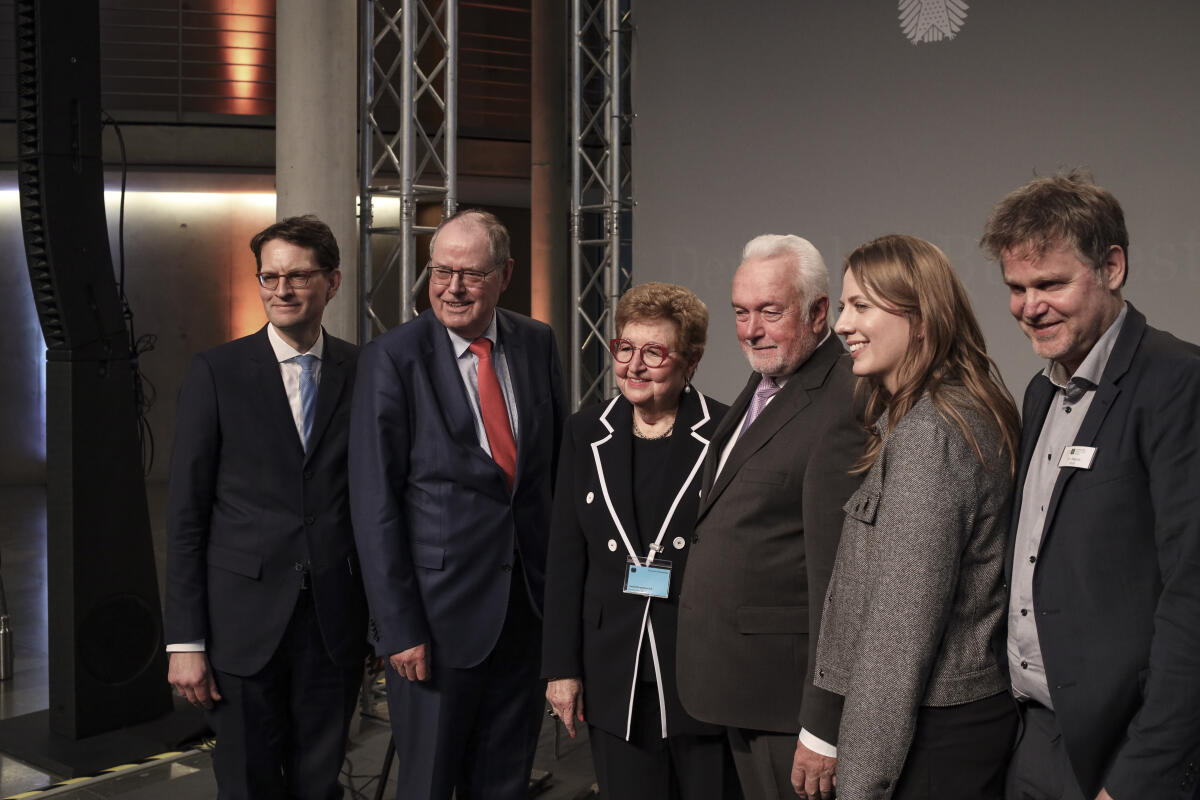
x,y
767,531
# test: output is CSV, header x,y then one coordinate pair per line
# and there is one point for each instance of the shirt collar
x,y
1092,369
285,352
459,345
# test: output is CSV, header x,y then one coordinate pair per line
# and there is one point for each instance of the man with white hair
x,y
767,531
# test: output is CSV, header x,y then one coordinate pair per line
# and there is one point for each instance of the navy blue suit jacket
x,y
435,520
247,505
1117,584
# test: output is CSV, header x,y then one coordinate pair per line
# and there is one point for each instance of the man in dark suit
x,y
1104,552
454,439
775,479
266,618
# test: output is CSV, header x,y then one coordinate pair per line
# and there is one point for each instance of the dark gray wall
x,y
822,119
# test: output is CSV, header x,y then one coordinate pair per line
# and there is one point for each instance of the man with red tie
x,y
453,445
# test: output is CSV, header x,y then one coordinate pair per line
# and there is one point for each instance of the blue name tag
x,y
653,580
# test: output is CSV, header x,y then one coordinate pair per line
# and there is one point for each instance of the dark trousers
x,y
764,762
473,731
960,752
649,767
1040,768
281,733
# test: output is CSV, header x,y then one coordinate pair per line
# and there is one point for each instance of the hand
x,y
412,663
188,672
566,698
813,775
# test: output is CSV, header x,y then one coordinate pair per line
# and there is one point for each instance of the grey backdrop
x,y
822,119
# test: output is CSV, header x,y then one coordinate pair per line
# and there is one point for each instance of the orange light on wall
x,y
247,37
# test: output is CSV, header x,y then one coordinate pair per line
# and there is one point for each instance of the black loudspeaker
x,y
107,666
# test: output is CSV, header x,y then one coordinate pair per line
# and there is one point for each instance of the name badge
x,y
1078,457
648,580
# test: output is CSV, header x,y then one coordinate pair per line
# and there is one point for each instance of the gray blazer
x,y
916,604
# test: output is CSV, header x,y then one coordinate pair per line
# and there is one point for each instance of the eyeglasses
x,y
653,355
297,280
442,276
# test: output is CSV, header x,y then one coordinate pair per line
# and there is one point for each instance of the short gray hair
x,y
812,276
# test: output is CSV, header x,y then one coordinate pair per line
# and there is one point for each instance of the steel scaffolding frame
x,y
601,190
418,40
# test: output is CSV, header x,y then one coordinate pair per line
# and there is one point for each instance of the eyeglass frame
x,y
666,353
476,275
296,280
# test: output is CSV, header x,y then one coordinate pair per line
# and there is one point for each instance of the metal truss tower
x,y
601,191
408,132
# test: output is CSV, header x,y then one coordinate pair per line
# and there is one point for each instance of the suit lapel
x,y
329,391
268,384
612,451
1106,395
454,406
791,400
688,449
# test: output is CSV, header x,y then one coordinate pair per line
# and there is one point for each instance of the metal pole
x,y
407,159
366,206
613,282
450,139
576,202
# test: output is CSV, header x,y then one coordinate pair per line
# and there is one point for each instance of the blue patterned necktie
x,y
308,393
767,388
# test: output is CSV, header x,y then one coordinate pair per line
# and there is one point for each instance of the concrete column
x,y
316,118
550,278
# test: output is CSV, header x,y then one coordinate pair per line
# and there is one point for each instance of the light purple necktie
x,y
767,388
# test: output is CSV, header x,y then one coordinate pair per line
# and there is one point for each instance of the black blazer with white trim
x,y
593,630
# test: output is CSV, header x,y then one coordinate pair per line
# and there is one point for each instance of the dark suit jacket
x,y
766,537
1117,584
248,507
594,630
434,518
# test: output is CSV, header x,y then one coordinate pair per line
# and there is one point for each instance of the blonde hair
x,y
946,356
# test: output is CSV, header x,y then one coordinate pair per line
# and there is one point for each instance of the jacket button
x,y
308,520
308,473
590,497
298,566
506,568
612,545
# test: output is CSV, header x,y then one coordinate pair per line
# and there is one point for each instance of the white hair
x,y
812,276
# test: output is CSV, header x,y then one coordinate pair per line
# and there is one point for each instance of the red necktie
x,y
494,412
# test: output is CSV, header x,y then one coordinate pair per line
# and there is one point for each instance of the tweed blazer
x,y
915,610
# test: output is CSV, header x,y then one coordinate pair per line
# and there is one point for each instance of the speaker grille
x,y
29,179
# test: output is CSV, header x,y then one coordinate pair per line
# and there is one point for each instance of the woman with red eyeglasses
x,y
626,497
